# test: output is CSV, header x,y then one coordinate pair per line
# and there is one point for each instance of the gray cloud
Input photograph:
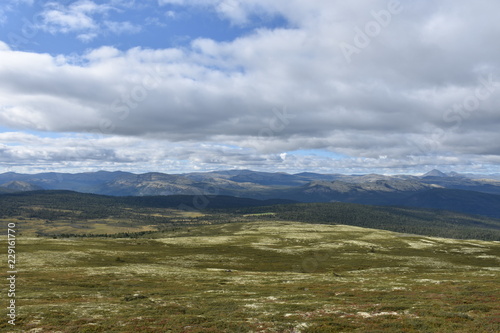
x,y
286,89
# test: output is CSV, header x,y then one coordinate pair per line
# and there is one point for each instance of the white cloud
x,y
103,53
236,11
171,2
75,17
86,18
4,46
233,10
119,28
28,2
8,6
87,37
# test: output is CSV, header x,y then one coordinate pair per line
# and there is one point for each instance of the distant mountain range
x,y
466,193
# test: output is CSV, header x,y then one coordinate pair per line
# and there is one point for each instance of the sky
x,y
175,86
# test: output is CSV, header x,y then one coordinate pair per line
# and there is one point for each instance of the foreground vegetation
x,y
91,263
260,276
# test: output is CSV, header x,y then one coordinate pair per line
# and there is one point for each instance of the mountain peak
x,y
435,173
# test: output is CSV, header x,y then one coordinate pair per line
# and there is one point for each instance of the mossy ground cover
x,y
109,225
261,276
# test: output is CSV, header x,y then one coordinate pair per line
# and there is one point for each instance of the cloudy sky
x,y
176,86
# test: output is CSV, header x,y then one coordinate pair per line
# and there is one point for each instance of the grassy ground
x,y
109,225
258,277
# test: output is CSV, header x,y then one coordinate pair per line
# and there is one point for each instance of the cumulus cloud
x,y
75,17
421,81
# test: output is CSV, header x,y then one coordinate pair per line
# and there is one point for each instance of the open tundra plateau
x,y
258,275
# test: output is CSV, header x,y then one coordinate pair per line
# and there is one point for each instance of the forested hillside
x,y
401,219
58,212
